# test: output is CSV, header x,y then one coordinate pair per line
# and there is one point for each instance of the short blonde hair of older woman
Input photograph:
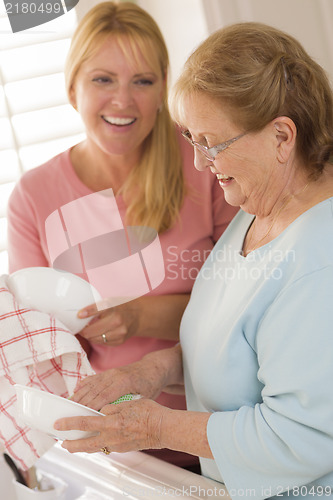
x,y
155,188
261,73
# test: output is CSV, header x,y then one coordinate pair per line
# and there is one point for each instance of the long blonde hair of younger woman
x,y
154,190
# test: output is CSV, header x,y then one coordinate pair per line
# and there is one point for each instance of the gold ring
x,y
105,450
104,338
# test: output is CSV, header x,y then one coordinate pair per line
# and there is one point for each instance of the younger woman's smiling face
x,y
118,98
246,170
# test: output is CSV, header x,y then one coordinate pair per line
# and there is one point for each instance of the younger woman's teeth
x,y
118,121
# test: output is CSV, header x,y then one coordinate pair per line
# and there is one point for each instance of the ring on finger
x,y
105,450
104,338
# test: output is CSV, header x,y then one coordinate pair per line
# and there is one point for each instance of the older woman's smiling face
x,y
246,170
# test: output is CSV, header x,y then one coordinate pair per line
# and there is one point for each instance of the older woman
x,y
256,337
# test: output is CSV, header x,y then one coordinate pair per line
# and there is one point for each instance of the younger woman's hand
x,y
153,316
112,326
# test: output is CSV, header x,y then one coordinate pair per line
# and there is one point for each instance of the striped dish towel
x,y
38,351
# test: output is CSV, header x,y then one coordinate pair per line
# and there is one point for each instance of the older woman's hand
x,y
128,426
140,425
147,377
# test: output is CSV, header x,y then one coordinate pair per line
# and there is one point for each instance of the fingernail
x,y
82,314
56,426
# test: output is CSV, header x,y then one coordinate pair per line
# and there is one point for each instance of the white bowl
x,y
39,410
54,292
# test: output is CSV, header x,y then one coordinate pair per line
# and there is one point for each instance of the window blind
x,y
36,121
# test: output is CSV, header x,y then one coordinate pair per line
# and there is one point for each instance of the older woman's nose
x,y
200,161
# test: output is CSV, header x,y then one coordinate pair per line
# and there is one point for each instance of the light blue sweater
x,y
257,339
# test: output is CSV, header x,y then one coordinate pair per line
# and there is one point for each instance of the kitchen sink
x,y
133,475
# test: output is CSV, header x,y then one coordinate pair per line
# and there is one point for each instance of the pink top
x,y
203,218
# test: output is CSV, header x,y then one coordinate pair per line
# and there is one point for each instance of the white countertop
x,y
133,475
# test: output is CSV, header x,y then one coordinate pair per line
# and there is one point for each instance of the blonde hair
x,y
155,188
261,73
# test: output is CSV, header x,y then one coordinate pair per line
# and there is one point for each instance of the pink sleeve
x,y
24,246
222,211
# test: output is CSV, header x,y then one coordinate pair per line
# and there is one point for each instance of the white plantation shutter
x,y
36,121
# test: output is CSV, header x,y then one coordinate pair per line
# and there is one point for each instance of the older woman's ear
x,y
285,133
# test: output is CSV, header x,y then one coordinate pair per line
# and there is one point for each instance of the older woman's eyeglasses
x,y
210,153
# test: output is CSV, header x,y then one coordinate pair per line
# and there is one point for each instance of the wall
x,y
185,23
310,21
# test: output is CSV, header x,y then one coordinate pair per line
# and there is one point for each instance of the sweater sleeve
x,y
286,440
24,244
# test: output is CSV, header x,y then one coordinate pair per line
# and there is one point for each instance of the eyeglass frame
x,y
211,153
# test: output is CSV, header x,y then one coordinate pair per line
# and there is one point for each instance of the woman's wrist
x,y
168,365
158,316
185,431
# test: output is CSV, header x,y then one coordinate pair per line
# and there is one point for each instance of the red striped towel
x,y
38,351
